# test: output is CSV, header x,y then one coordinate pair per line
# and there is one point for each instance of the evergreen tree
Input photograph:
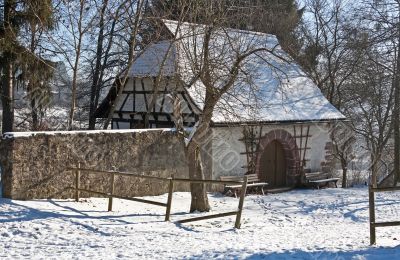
x,y
15,56
278,17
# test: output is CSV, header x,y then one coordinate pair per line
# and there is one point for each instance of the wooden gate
x,y
273,165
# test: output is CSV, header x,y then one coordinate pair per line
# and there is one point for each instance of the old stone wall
x,y
34,165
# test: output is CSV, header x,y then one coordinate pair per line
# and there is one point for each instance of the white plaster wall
x,y
226,147
129,85
319,138
122,125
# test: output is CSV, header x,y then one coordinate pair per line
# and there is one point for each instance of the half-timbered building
x,y
278,131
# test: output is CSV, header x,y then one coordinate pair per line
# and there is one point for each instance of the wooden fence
x,y
372,222
171,180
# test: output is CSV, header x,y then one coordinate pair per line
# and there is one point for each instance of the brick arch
x,y
291,153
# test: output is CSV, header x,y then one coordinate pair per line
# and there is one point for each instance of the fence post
x,y
372,229
110,199
169,201
241,202
77,182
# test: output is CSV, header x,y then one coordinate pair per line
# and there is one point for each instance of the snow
x,y
153,58
27,134
301,224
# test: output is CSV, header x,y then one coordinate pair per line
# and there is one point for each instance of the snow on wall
x,y
12,135
227,147
35,164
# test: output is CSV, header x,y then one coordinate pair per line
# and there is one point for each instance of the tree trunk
x,y
374,171
75,68
198,191
193,153
396,133
34,114
95,88
7,97
73,98
344,181
7,86
344,172
31,90
396,118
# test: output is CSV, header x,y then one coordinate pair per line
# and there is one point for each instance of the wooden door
x,y
273,165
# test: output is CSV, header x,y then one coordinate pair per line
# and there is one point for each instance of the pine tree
x,y
32,15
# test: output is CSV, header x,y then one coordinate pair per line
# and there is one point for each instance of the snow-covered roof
x,y
270,85
153,58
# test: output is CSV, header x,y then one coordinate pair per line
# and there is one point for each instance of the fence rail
x,y
171,183
372,221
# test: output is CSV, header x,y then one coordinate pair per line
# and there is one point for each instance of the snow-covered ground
x,y
301,224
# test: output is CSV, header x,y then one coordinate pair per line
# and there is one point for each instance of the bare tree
x,y
334,56
372,106
215,58
95,87
381,22
326,35
343,139
69,42
113,24
136,9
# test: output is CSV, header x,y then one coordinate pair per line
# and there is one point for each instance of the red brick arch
x,y
291,153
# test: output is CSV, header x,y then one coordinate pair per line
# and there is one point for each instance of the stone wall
x,y
34,165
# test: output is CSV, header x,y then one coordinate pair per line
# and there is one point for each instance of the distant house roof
x,y
271,87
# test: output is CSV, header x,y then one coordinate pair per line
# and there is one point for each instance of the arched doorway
x,y
278,160
273,164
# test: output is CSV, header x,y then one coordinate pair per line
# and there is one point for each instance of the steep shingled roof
x,y
271,87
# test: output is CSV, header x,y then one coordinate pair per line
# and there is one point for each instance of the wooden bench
x,y
252,182
319,179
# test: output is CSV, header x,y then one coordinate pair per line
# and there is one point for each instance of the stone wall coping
x,y
28,134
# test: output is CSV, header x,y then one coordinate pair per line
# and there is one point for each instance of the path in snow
x,y
301,224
